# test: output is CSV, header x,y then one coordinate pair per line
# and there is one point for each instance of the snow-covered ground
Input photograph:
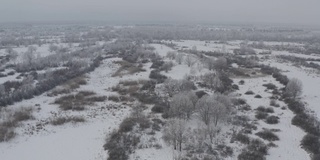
x,y
310,80
288,147
82,141
162,50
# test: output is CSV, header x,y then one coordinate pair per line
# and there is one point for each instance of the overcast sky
x,y
305,12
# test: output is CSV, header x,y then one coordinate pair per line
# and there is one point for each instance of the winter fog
x,y
159,80
152,11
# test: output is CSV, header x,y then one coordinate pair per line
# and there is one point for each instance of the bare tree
x,y
173,86
2,90
194,49
189,60
171,55
293,88
53,48
212,130
203,107
29,55
179,58
210,63
213,109
12,54
220,64
181,106
192,97
174,133
212,80
167,66
169,86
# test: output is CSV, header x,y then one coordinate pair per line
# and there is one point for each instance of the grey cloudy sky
x,y
245,11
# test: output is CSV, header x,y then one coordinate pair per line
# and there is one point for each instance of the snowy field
x,y
84,141
310,79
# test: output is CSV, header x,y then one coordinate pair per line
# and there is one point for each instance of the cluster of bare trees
x,y
211,110
182,105
172,86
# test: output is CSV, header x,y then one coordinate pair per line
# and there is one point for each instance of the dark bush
x,y
6,133
245,107
224,150
2,75
307,123
261,115
11,73
275,92
129,83
258,146
235,87
157,64
281,78
149,85
249,93
270,86
114,98
120,145
257,96
267,135
147,98
157,109
155,74
63,120
23,114
269,110
200,94
261,109
295,106
96,99
143,122
240,137
272,120
241,82
239,101
311,143
250,155
273,102
127,124
316,157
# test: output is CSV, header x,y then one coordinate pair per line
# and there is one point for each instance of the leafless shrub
x,y
62,120
78,101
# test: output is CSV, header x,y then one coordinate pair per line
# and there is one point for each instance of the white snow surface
x,y
82,141
288,147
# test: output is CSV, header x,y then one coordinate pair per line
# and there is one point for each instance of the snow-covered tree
x,y
167,66
29,55
174,133
293,88
181,106
213,109
212,80
12,54
189,60
2,90
171,55
53,48
173,86
209,62
220,64
179,58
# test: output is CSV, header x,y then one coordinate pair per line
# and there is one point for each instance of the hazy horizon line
x,y
159,22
